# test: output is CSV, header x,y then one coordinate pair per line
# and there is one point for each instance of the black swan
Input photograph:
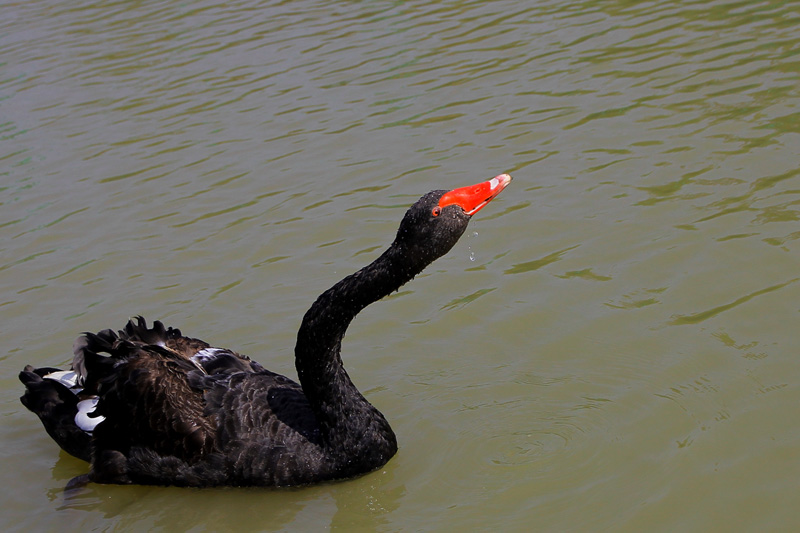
x,y
150,406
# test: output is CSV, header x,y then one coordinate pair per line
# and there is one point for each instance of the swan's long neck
x,y
342,411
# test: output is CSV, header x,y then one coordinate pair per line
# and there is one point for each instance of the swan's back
x,y
176,411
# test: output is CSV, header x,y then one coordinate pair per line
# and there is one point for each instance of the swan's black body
x,y
175,411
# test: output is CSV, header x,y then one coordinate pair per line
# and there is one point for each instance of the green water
x,y
611,346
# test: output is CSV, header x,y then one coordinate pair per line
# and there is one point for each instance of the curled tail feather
x,y
56,406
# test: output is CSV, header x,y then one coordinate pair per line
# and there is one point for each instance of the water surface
x,y
611,346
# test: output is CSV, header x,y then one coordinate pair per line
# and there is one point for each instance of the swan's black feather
x,y
56,406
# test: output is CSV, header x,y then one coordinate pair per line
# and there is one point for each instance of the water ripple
x,y
221,163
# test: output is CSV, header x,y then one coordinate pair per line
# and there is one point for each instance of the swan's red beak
x,y
474,197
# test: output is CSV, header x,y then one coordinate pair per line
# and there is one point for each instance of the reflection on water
x,y
618,337
346,506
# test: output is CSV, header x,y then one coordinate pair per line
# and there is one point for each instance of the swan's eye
x,y
436,211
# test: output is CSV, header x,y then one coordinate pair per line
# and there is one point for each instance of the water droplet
x,y
471,253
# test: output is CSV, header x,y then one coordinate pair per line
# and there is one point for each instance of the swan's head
x,y
432,226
